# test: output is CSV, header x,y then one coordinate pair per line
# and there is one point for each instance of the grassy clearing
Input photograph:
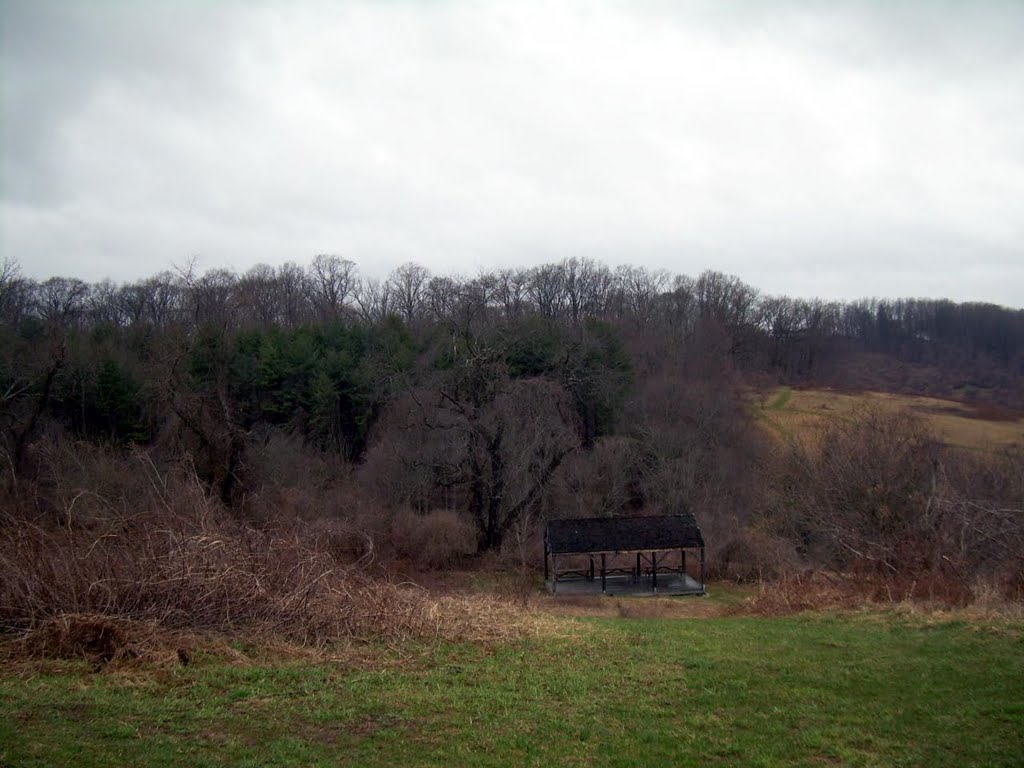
x,y
804,412
780,400
856,690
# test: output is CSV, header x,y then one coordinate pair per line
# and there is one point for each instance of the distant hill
x,y
793,412
958,376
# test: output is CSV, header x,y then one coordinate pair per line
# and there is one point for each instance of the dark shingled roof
x,y
622,534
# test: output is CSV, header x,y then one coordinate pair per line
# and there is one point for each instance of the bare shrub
x,y
860,497
166,555
809,591
206,574
819,591
199,571
994,597
750,556
350,539
439,539
98,639
521,584
879,498
524,547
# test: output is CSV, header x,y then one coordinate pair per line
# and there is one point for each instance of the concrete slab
x,y
625,585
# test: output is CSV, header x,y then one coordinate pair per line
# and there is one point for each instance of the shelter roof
x,y
623,534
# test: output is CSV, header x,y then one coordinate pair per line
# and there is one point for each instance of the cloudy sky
x,y
836,149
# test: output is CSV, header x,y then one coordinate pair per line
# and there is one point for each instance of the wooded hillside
x,y
439,417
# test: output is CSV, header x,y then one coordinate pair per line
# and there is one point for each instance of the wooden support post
x,y
654,571
702,569
639,573
604,578
591,568
682,558
554,573
546,553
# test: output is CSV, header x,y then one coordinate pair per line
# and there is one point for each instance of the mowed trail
x,y
804,412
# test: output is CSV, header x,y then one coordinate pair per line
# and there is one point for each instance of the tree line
x,y
773,331
567,388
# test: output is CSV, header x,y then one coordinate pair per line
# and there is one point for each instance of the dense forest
x,y
430,419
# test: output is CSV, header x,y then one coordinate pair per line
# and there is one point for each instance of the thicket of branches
x,y
880,497
441,416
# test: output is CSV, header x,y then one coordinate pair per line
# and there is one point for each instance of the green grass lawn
x,y
729,691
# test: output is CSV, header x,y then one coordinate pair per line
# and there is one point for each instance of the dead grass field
x,y
803,413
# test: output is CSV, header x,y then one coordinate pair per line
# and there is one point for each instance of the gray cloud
x,y
853,149
61,58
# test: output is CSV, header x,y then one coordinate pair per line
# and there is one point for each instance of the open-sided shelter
x,y
624,555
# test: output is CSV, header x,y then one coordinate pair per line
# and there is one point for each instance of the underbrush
x,y
134,587
820,591
108,581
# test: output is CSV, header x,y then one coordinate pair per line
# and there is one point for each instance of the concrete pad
x,y
625,585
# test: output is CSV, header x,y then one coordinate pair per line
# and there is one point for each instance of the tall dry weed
x,y
165,554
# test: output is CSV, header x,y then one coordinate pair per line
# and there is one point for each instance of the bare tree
x,y
478,441
17,295
585,285
545,290
442,296
333,281
375,299
511,288
61,301
408,285
677,307
10,274
293,292
725,298
211,298
258,297
640,289
132,299
165,300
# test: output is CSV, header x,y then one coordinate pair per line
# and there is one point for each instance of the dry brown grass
x,y
808,412
597,606
103,640
924,595
104,590
113,580
486,618
116,644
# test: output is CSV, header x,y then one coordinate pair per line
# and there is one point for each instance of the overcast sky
x,y
816,149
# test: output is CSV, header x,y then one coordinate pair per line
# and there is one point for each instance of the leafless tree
x,y
258,297
211,297
511,291
333,281
10,276
165,300
374,299
408,286
61,301
640,289
104,306
478,442
584,285
725,298
293,294
545,290
442,296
